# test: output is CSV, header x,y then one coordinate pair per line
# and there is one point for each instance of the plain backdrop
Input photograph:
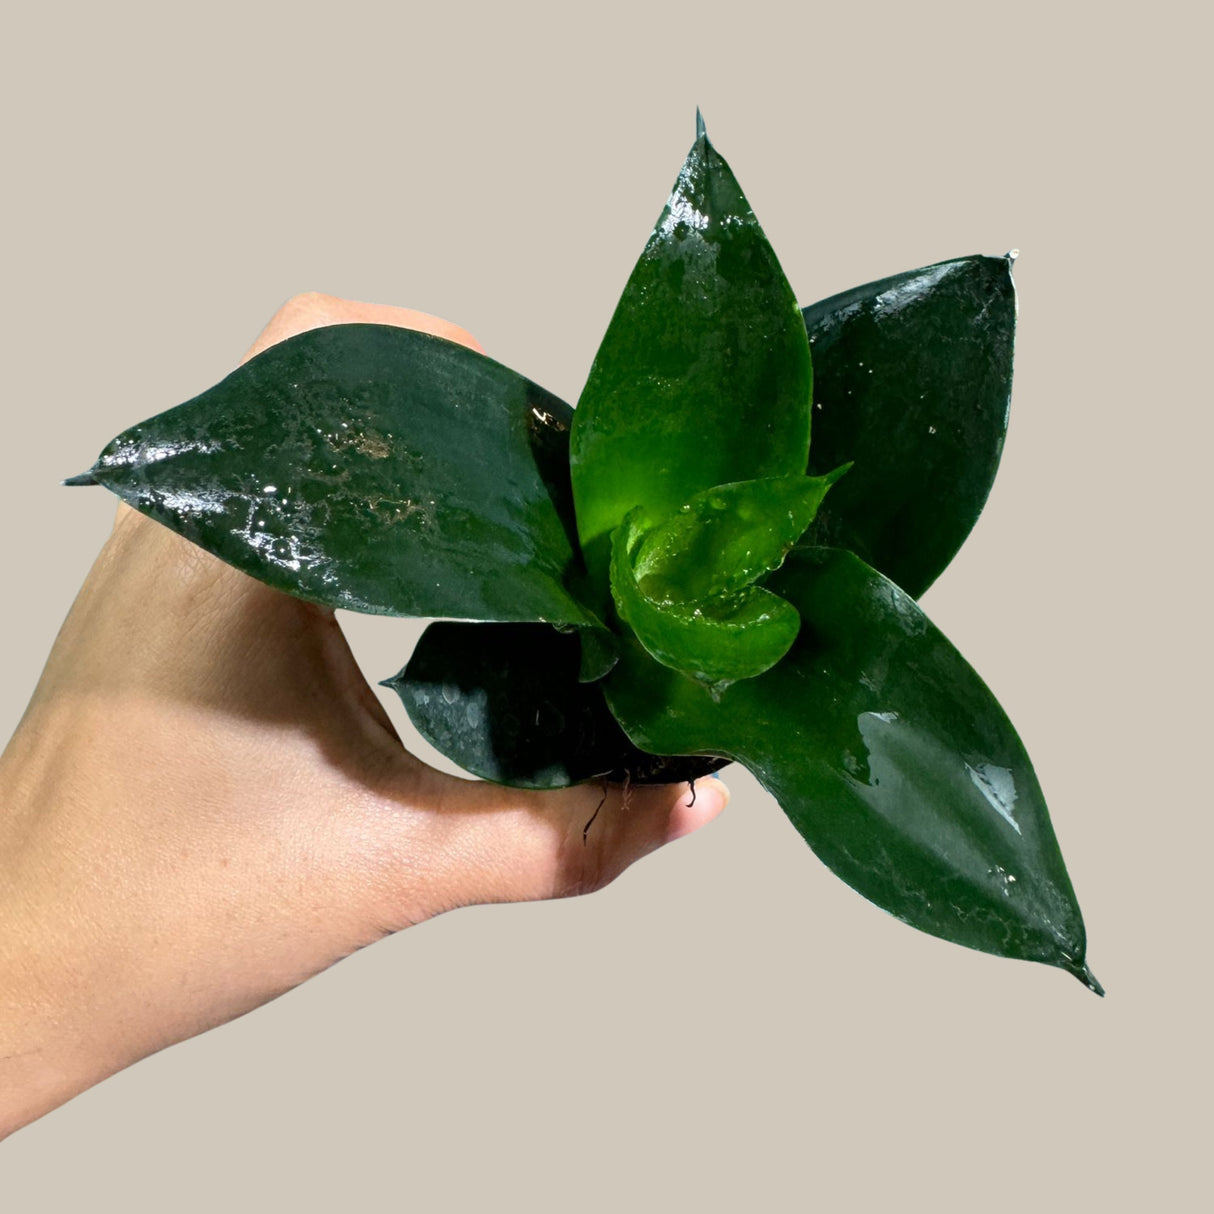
x,y
728,1027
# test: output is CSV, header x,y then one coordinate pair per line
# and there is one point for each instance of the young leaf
x,y
684,585
374,468
717,640
505,703
912,380
728,536
703,376
890,756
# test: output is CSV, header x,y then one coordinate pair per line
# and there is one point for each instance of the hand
x,y
206,804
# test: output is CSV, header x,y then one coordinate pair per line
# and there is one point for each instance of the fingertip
x,y
696,807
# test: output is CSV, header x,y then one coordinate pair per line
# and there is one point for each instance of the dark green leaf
x,y
727,537
504,702
599,654
890,756
703,376
374,468
912,378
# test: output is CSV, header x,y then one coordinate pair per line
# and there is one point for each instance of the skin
x,y
205,804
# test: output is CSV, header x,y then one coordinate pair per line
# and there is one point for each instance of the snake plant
x,y
670,576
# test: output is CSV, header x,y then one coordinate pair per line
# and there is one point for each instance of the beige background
x,y
728,1027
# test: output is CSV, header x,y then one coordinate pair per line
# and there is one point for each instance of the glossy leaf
x,y
728,536
600,652
374,468
703,376
728,636
891,758
912,380
504,702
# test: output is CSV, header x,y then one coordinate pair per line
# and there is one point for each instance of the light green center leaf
x,y
727,537
685,586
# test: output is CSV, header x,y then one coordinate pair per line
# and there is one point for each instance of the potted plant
x,y
669,577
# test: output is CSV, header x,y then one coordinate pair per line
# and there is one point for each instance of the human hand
x,y
205,804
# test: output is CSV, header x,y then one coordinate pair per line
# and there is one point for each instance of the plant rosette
x,y
617,598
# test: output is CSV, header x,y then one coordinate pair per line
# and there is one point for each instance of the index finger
x,y
315,310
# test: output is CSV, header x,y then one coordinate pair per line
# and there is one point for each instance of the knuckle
x,y
307,299
307,303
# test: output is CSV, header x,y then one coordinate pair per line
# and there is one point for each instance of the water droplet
x,y
1005,879
998,786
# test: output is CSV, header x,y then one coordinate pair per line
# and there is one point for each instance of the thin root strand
x,y
602,802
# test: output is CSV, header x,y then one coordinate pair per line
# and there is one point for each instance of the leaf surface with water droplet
x,y
889,755
374,468
912,381
703,376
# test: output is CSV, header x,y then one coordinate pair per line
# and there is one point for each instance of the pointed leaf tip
x,y
85,478
1085,975
701,129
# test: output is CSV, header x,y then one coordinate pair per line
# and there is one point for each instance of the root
x,y
625,802
602,802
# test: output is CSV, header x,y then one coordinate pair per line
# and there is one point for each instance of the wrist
x,y
56,1033
49,1052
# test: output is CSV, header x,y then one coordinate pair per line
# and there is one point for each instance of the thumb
x,y
496,844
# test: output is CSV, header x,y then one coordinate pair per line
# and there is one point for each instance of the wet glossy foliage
x,y
890,756
912,381
373,468
653,583
506,701
703,376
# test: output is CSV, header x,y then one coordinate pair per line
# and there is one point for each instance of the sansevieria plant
x,y
670,576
